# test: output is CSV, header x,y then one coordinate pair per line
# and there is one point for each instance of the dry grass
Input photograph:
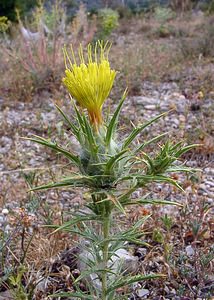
x,y
31,65
144,55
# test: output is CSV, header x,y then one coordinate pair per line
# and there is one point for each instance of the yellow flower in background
x,y
90,81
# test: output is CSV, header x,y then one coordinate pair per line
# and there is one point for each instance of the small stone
x,y
209,200
121,259
210,195
190,251
42,285
6,295
5,211
182,118
140,100
179,96
7,228
141,253
210,183
202,186
190,163
209,171
150,107
189,190
181,107
176,122
143,293
155,94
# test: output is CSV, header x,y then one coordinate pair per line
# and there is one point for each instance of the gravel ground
x,y
41,118
187,116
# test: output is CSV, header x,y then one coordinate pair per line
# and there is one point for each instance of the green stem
x,y
106,230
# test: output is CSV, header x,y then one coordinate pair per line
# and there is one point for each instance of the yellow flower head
x,y
91,81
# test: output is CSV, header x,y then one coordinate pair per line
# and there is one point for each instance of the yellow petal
x,y
90,82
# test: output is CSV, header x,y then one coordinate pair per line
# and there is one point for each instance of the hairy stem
x,y
106,230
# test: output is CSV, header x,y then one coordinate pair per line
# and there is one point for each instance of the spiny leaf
x,y
155,139
185,149
79,117
90,136
56,148
113,123
153,202
125,239
73,127
149,160
142,180
116,203
73,294
73,222
158,178
72,181
182,169
132,279
93,271
113,160
137,130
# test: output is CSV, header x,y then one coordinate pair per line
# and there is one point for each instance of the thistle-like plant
x,y
109,168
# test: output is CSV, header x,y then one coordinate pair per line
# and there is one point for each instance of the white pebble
x,y
190,251
5,211
143,292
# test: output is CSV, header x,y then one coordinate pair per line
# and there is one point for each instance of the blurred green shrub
x,y
181,5
4,24
124,11
210,7
164,14
201,46
7,7
108,21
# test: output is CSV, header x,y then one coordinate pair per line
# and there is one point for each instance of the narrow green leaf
x,y
56,148
153,202
147,143
185,149
138,224
113,160
176,146
90,136
74,221
79,118
80,181
113,123
182,169
74,129
137,130
132,279
116,203
92,271
73,294
149,160
124,239
144,179
158,178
